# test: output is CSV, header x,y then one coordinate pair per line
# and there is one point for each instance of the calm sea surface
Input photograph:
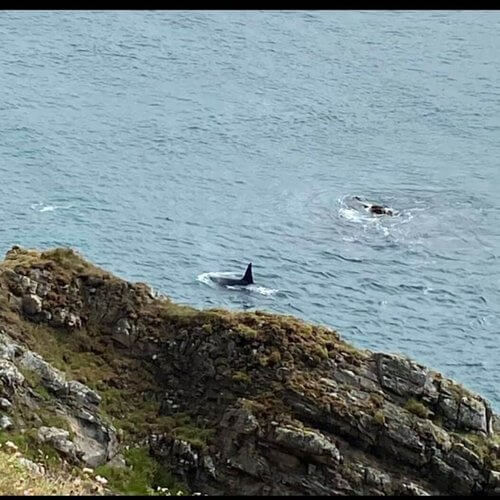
x,y
166,145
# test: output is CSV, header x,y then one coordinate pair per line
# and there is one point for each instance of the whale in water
x,y
375,209
246,280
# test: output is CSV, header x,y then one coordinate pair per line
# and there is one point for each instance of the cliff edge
x,y
98,374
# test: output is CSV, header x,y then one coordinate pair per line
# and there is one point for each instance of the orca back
x,y
248,278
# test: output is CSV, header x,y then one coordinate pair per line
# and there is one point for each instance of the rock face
x,y
230,403
32,304
93,442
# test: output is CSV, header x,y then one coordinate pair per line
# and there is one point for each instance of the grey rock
x,y
208,465
495,423
8,349
247,459
25,282
412,489
83,394
59,316
86,416
449,478
472,415
51,377
95,441
494,480
43,289
403,442
404,377
28,285
32,467
285,461
180,454
9,374
5,423
404,435
73,321
464,452
448,406
240,421
305,441
462,466
123,327
5,404
433,434
345,377
91,452
185,453
59,439
329,383
32,304
375,477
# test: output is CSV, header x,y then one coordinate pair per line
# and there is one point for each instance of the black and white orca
x,y
374,208
246,280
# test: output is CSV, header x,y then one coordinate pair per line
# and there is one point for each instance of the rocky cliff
x,y
100,374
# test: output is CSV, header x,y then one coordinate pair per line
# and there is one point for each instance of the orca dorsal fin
x,y
248,278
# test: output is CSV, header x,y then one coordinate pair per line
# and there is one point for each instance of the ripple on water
x,y
258,159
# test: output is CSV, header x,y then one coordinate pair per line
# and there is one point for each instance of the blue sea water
x,y
167,145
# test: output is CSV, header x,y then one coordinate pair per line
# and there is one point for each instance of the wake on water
x,y
353,211
41,207
206,278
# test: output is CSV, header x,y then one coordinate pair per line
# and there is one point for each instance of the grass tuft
x,y
417,408
142,477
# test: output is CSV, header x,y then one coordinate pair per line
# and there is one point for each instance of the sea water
x,y
168,145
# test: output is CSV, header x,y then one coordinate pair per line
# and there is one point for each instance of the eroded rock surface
x,y
230,403
93,442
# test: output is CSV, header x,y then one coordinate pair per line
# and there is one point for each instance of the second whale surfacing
x,y
374,208
246,280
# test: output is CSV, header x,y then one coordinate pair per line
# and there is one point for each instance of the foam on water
x,y
206,278
41,207
262,290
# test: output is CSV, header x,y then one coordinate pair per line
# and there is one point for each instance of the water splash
x,y
42,207
206,279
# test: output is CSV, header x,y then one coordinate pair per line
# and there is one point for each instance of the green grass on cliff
x,y
417,408
17,479
66,259
144,476
29,446
486,447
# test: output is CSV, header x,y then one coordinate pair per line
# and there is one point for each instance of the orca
x,y
246,280
375,209
380,210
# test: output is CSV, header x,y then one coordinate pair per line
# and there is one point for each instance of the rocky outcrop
x,y
229,403
93,441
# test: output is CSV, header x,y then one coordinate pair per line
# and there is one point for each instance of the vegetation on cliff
x,y
158,397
